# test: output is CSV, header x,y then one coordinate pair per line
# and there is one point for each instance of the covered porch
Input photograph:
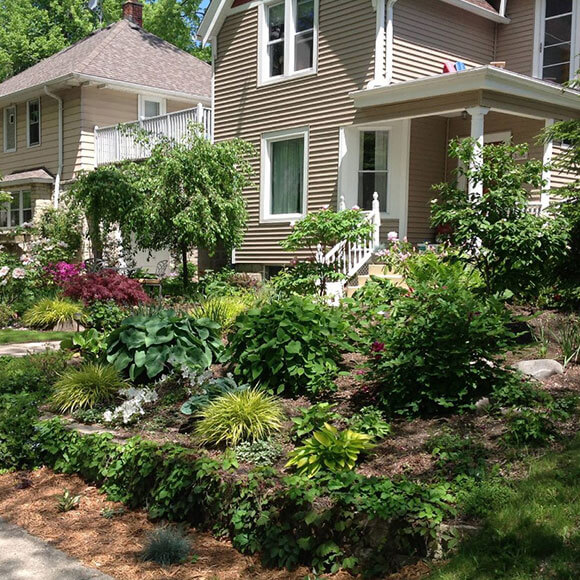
x,y
407,128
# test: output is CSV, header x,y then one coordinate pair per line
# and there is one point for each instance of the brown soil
x,y
113,545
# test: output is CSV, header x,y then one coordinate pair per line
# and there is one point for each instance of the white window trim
x,y
6,207
6,113
264,78
539,29
266,215
28,144
162,106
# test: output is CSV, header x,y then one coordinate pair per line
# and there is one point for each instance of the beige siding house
x,y
343,99
60,116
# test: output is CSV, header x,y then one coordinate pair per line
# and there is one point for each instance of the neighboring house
x,y
60,116
346,98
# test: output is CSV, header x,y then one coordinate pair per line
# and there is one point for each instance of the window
x,y
10,129
559,34
289,39
33,123
284,175
373,172
18,211
151,107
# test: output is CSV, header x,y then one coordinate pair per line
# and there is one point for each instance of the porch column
x,y
477,134
547,159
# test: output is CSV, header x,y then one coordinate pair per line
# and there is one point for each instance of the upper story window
x,y
18,211
10,129
151,107
284,175
559,39
288,39
33,123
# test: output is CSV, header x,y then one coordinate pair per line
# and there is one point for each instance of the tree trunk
x,y
185,274
95,237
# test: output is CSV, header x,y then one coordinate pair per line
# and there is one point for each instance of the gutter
x,y
60,146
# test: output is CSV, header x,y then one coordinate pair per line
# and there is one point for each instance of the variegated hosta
x,y
329,450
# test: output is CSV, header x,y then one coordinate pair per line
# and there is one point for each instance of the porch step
x,y
395,279
377,270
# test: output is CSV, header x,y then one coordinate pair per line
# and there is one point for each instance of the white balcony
x,y
118,142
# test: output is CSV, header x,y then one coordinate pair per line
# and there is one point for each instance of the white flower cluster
x,y
136,398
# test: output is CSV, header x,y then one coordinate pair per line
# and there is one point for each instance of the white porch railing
x,y
351,257
118,142
535,207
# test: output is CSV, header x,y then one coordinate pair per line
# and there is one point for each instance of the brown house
x,y
60,116
346,98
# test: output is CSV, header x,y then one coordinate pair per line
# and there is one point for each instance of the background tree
x,y
511,248
31,30
191,196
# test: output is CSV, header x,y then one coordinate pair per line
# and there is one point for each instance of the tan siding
x,y
173,106
426,33
560,178
426,168
515,41
46,154
320,102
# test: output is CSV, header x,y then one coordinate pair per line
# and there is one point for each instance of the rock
x,y
540,369
482,406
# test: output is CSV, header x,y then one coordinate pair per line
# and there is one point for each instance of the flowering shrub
x,y
136,398
396,252
103,286
436,350
62,272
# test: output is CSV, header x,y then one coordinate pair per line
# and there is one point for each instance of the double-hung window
x,y
373,175
559,38
289,39
33,123
17,211
284,175
10,129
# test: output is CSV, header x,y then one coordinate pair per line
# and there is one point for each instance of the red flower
x,y
378,346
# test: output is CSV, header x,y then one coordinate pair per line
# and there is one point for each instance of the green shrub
x,y
90,344
485,498
166,546
50,312
86,387
329,450
34,373
224,310
457,455
18,414
105,315
438,349
262,452
7,315
530,427
370,421
292,346
248,415
312,419
145,347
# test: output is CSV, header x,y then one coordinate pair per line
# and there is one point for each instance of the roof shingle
x,y
121,52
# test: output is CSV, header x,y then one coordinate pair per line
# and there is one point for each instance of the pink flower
x,y
392,236
18,273
4,271
356,207
378,346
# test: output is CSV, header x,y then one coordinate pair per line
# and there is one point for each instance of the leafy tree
x,y
511,248
191,196
108,197
32,30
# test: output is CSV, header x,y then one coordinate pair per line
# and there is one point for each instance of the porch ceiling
x,y
485,86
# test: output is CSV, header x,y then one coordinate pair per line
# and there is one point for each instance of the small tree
x,y
192,196
317,234
108,197
511,248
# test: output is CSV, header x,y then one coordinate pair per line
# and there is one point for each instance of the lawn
x,y
536,534
11,336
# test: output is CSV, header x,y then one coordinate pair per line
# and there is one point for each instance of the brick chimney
x,y
133,12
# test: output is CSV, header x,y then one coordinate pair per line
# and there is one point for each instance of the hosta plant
x,y
86,387
68,502
329,450
248,415
91,344
145,347
48,313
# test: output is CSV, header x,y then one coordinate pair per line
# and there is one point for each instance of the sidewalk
x,y
25,348
24,557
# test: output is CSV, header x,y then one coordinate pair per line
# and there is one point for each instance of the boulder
x,y
540,369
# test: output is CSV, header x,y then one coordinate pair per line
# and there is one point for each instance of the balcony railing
x,y
121,142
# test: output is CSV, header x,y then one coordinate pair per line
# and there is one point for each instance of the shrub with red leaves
x,y
105,285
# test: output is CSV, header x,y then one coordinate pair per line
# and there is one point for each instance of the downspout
x,y
60,146
389,39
